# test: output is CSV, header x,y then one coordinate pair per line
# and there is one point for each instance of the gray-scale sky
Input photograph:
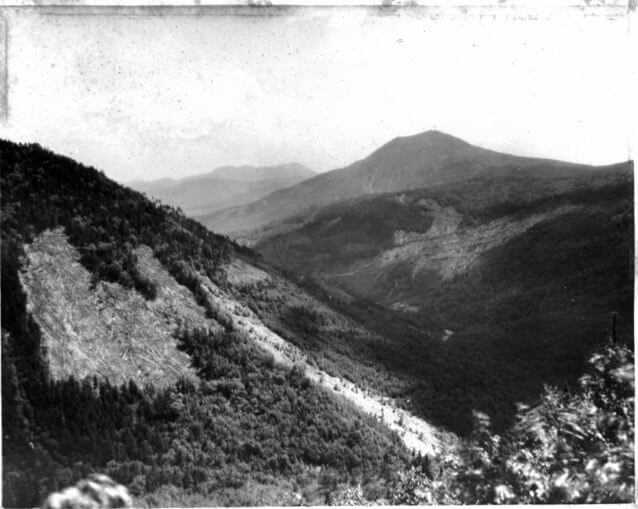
x,y
144,96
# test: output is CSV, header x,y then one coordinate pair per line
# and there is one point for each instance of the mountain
x,y
489,253
223,187
138,344
129,347
497,268
406,163
256,173
400,249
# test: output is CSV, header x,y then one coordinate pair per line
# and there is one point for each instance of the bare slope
x,y
406,163
108,331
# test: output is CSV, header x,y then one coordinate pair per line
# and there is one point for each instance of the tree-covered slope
x,y
574,445
509,280
239,429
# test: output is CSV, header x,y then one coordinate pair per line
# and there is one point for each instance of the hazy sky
x,y
173,94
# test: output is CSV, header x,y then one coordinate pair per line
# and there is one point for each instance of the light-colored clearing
x,y
108,331
417,434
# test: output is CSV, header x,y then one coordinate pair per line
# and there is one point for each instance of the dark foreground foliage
x,y
572,447
245,421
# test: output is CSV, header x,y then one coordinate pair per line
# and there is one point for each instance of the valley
x,y
115,358
361,343
280,256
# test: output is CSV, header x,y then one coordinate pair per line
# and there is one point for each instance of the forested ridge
x,y
247,423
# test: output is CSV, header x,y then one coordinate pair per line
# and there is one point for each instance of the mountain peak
x,y
431,137
412,154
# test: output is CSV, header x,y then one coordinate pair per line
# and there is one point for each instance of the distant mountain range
x,y
405,163
429,223
223,187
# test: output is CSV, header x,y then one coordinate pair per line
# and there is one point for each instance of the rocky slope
x,y
418,436
444,249
384,247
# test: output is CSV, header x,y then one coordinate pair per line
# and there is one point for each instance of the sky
x,y
144,95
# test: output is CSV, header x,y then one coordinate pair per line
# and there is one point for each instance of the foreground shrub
x,y
569,448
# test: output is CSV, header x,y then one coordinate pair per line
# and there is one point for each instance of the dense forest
x,y
246,424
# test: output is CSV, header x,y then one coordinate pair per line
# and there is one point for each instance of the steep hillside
x,y
491,271
440,231
407,163
222,188
109,364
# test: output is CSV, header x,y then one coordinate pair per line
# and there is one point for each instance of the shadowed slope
x,y
489,271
